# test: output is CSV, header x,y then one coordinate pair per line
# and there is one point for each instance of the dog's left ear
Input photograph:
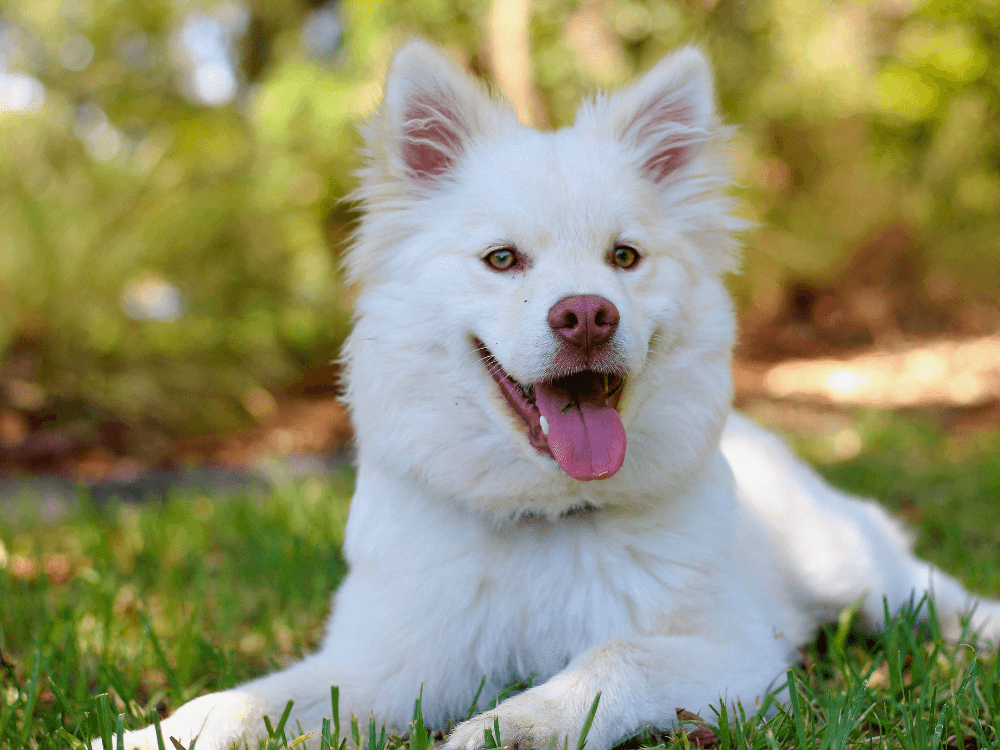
x,y
664,116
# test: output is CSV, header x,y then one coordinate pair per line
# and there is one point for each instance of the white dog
x,y
550,480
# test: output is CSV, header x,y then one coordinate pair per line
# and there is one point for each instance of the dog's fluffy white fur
x,y
691,575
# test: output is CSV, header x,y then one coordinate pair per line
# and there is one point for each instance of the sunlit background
x,y
172,175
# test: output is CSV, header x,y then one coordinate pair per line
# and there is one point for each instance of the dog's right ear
x,y
431,111
664,117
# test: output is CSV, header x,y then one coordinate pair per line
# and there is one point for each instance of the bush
x,y
168,247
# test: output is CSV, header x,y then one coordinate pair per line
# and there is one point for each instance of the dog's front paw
x,y
522,724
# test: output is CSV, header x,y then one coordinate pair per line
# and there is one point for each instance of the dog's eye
x,y
624,256
502,259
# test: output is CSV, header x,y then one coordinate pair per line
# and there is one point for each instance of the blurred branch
x,y
257,48
508,51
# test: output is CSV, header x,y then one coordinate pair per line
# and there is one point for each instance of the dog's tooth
x,y
545,425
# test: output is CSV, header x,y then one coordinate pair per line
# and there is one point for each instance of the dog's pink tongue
x,y
587,439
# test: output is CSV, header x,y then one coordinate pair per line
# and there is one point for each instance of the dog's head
x,y
541,309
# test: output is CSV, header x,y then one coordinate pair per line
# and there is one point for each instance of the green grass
x,y
158,604
128,611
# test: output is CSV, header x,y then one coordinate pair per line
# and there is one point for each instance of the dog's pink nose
x,y
584,320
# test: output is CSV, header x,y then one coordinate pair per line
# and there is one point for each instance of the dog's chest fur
x,y
525,596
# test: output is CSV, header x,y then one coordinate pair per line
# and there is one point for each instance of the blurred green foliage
x,y
171,170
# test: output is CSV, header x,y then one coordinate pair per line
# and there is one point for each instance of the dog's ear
x,y
665,115
431,111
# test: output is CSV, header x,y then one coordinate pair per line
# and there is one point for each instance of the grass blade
x,y
70,740
588,721
325,742
797,720
335,703
474,706
355,731
280,729
161,657
159,731
32,692
845,620
86,730
8,714
104,719
419,736
488,738
60,697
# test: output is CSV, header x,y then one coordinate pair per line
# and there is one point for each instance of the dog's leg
x,y
236,717
835,549
642,680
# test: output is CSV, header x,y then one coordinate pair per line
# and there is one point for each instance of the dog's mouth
x,y
574,418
